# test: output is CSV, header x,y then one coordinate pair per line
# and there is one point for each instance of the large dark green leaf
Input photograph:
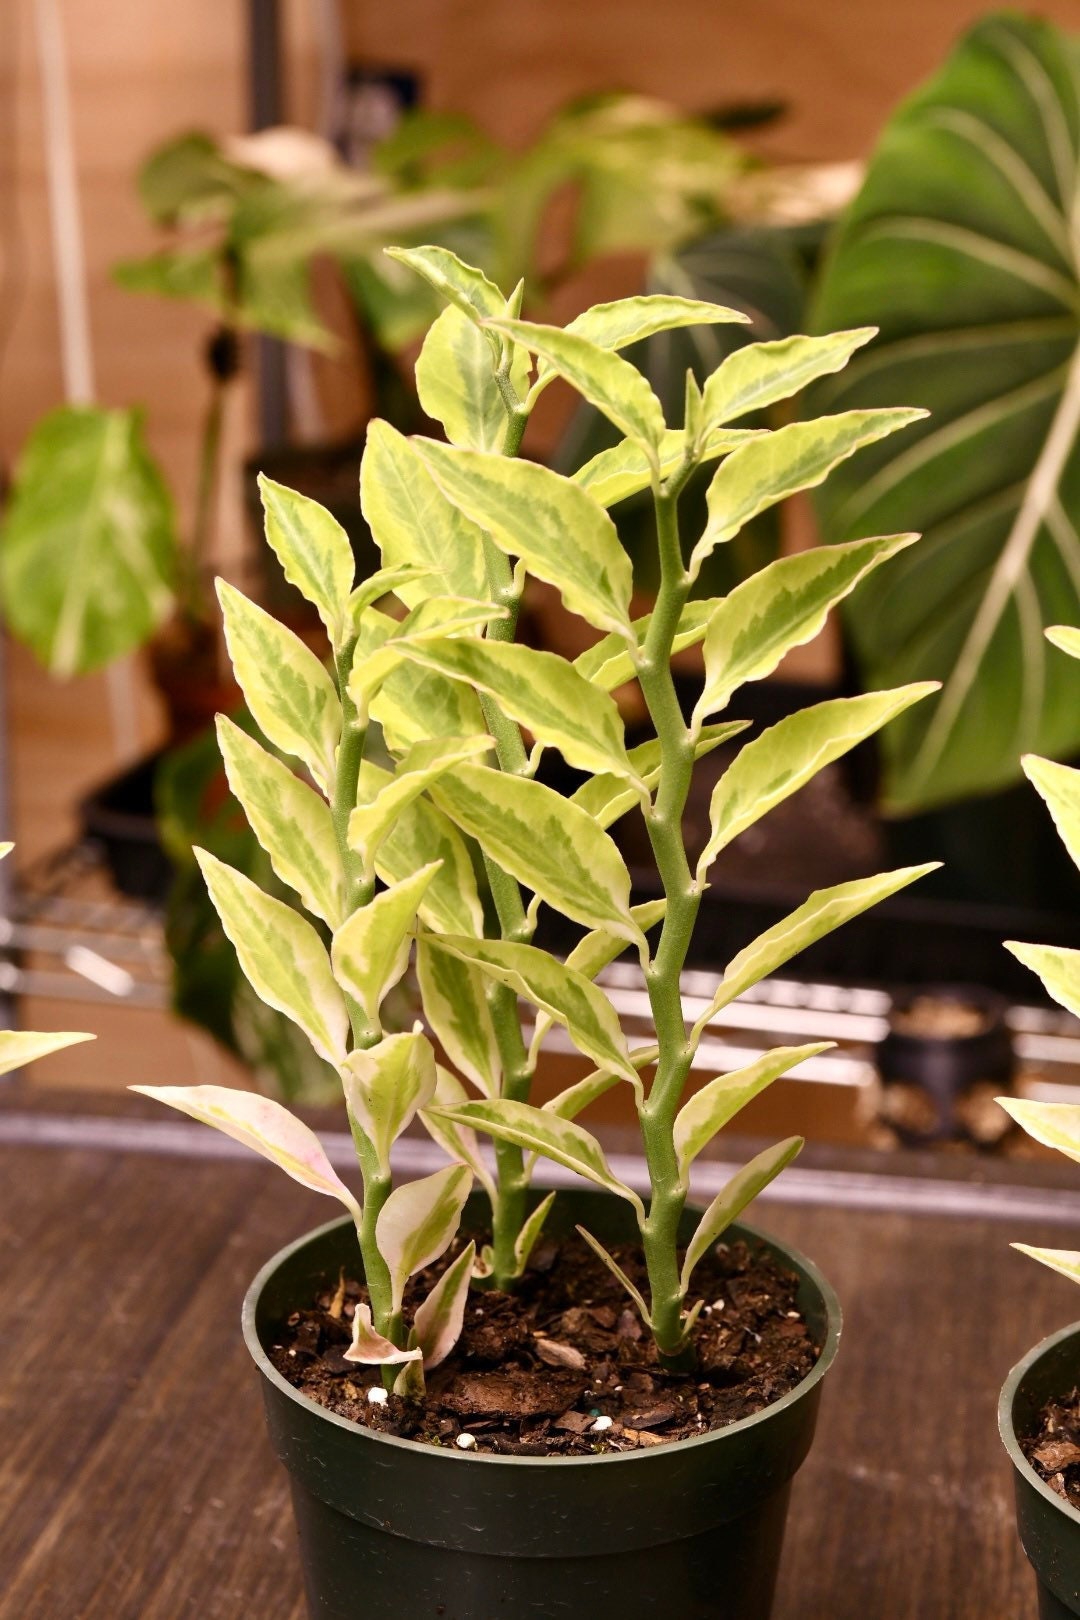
x,y
961,247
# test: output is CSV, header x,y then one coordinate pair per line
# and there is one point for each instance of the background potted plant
x,y
1039,1411
384,853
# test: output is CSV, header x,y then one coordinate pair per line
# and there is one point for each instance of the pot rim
x,y
1006,1427
833,1317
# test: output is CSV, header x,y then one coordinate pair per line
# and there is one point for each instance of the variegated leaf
x,y
458,1142
592,954
531,1227
1059,786
627,320
718,1102
264,1126
529,512
313,550
783,606
462,285
457,1012
769,469
370,951
1067,1261
421,833
610,662
544,841
371,822
1066,638
412,521
436,1326
457,386
566,995
615,387
825,910
1055,1125
384,582
386,1085
733,1198
282,956
537,1131
1057,967
370,1348
606,798
22,1046
414,704
542,692
612,475
418,1222
292,823
386,644
618,1273
785,757
287,690
760,374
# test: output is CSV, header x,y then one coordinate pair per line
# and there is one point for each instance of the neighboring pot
x,y
119,817
394,1530
1049,1526
945,1039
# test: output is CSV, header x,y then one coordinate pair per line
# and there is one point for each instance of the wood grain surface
x,y
136,1482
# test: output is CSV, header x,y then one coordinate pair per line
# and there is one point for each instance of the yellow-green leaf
x,y
289,693
615,387
264,1126
770,468
456,382
282,956
606,797
627,320
783,606
542,692
412,521
1067,1261
611,475
370,951
436,1326
372,820
779,762
558,531
292,823
313,550
1059,786
458,1142
762,373
456,1009
544,841
609,662
718,1102
418,1222
568,997
462,285
21,1046
1057,967
421,833
592,954
1066,638
733,1198
384,642
1055,1125
386,1084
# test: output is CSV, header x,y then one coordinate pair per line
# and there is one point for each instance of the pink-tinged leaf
x,y
370,1347
418,1222
264,1126
437,1324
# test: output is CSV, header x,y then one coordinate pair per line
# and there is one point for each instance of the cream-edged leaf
x,y
370,1348
457,385
531,1227
799,456
385,1086
370,951
414,703
1057,967
413,522
421,834
289,693
264,1126
733,1198
282,956
618,1273
383,646
21,1046
627,320
595,952
543,840
718,1102
1055,1125
540,691
783,606
456,1009
384,582
418,1222
567,996
537,1131
436,1326
458,1142
759,374
462,285
291,821
1066,638
785,757
1059,787
560,533
609,662
1067,1261
615,387
612,475
607,797
371,822
313,550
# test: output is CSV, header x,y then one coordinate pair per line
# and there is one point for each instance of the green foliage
x,y
88,544
388,854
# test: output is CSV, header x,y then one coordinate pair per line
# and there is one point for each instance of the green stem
x,y
664,822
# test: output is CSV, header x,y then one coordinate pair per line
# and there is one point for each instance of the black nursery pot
x,y
1049,1526
394,1530
947,1065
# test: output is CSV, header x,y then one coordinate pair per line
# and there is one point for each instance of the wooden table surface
x,y
136,1482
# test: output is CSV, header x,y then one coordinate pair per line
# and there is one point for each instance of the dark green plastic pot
x,y
393,1530
1049,1527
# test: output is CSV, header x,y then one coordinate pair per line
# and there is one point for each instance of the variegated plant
x,y
386,850
1056,1125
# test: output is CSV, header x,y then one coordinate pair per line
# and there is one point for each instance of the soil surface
x,y
538,1373
1054,1448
